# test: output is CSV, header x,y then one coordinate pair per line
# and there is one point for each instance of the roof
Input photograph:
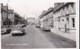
x,y
62,6
46,12
49,10
10,11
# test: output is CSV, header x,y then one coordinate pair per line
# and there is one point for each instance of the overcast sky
x,y
31,8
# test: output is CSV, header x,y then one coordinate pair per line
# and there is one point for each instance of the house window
x,y
59,19
73,22
62,19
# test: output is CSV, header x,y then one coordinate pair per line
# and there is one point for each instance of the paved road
x,y
34,38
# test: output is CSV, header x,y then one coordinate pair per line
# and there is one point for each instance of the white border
x,y
77,23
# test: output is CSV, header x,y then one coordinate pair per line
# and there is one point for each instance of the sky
x,y
30,8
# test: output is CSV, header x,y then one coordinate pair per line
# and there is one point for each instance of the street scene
x,y
36,38
51,27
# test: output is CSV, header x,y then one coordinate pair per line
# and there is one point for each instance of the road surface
x,y
34,38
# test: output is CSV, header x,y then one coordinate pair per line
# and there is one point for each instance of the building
x,y
4,15
31,20
17,19
64,17
9,17
46,19
37,23
41,18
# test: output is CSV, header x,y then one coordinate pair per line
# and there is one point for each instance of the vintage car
x,y
18,30
5,30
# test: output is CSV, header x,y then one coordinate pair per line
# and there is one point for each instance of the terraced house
x,y
65,17
9,18
4,15
46,19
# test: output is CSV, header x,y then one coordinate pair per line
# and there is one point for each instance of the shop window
x,y
73,22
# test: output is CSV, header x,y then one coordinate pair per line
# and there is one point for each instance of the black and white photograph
x,y
28,24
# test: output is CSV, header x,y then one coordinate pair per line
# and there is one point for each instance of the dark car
x,y
24,25
5,30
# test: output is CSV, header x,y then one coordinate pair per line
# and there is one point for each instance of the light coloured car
x,y
17,31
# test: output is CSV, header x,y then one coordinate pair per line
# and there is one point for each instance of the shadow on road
x,y
19,34
59,39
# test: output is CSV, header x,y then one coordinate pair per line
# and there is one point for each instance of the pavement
x,y
34,38
71,35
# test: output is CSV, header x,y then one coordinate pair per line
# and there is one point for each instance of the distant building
x,y
17,19
46,19
31,20
41,18
11,15
42,14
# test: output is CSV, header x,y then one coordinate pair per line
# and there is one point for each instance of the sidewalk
x,y
71,36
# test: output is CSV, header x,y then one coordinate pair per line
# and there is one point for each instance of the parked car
x,y
5,30
17,30
23,25
37,25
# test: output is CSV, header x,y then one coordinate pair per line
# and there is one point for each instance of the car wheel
x,y
13,34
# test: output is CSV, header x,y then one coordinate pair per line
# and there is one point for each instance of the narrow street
x,y
34,38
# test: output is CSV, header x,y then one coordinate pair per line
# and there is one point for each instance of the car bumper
x,y
16,34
